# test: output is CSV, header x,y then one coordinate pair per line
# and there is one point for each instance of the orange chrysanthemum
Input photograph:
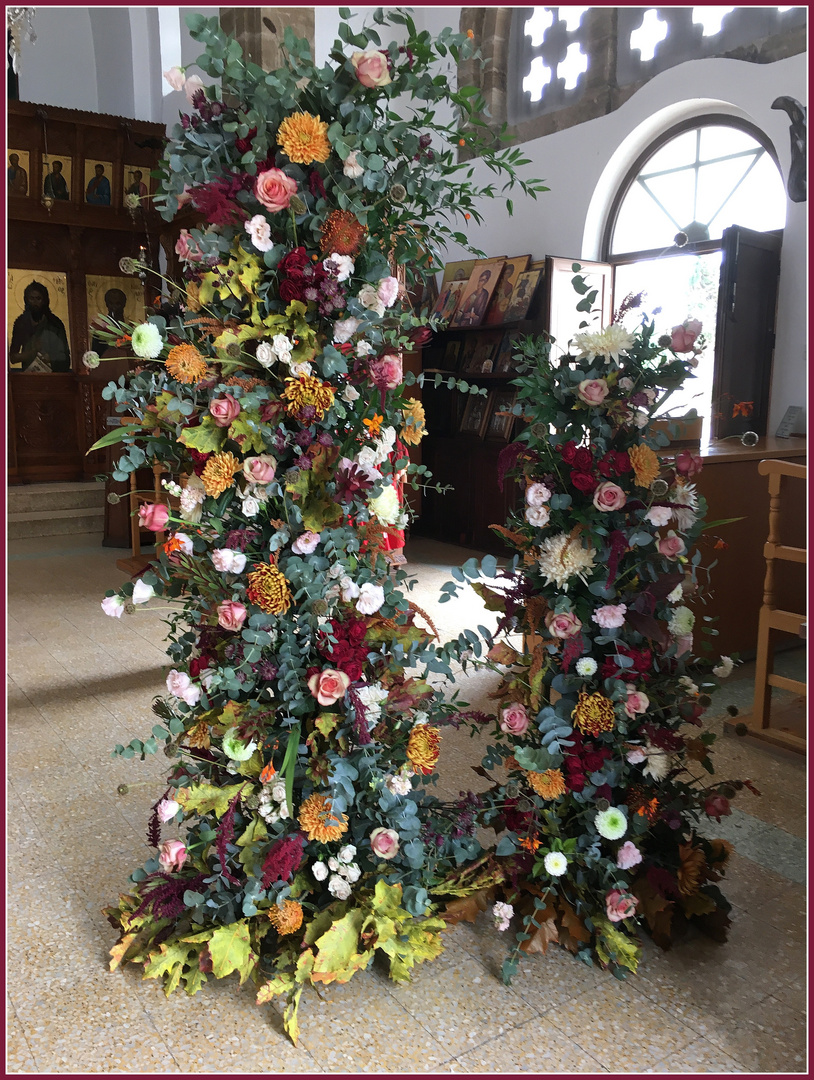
x,y
173,544
286,919
246,384
308,398
198,736
549,784
691,872
185,364
268,588
424,748
642,804
316,816
219,473
594,713
645,464
342,233
529,843
304,138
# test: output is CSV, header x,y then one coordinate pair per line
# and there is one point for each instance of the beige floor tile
x,y
624,1031
459,1002
536,1047
18,1052
699,1057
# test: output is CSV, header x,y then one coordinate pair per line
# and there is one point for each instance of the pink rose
x,y
172,854
305,543
682,338
514,719
610,616
537,495
637,702
386,371
224,410
371,68
186,248
166,810
564,625
592,391
273,189
717,806
193,84
384,843
259,469
671,545
688,464
388,291
231,615
609,496
628,855
620,905
328,686
153,516
175,77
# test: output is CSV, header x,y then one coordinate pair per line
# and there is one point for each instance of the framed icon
x,y
479,289
57,171
19,171
501,298
523,295
98,182
447,302
41,343
499,417
474,416
505,364
128,306
136,182
457,271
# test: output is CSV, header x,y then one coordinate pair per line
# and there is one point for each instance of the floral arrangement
x,y
597,729
294,838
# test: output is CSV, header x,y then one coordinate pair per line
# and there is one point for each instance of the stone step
x,y
42,498
89,519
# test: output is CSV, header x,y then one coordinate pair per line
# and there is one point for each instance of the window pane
x,y
759,203
675,193
716,182
678,151
718,141
640,224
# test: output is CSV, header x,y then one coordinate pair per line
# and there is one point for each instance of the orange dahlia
x,y
268,588
594,713
219,473
185,364
424,748
691,872
304,138
319,821
286,919
645,464
549,784
308,398
342,233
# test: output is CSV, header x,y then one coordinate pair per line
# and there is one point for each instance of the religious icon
x,y
38,337
501,419
474,416
447,302
121,298
56,178
136,182
97,182
499,304
523,295
18,168
479,289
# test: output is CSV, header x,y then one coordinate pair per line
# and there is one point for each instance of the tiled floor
x,y
80,682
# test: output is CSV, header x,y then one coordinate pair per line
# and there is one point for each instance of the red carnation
x,y
293,264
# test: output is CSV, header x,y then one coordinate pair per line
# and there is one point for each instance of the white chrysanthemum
x,y
658,762
562,558
676,594
687,684
191,500
555,863
681,622
724,669
610,343
611,823
146,341
385,507
586,666
686,495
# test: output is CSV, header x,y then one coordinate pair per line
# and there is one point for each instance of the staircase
x,y
55,509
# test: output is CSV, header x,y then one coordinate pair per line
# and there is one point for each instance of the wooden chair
x,y
774,619
136,563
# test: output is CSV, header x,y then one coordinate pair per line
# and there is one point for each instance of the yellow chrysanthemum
x,y
308,398
304,138
414,428
691,872
286,919
317,818
645,464
549,784
185,364
424,748
219,473
268,588
594,713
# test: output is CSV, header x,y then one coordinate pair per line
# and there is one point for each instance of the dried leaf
x,y
521,542
544,933
467,908
572,925
502,653
657,910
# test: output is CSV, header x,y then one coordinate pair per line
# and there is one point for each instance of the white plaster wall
x,y
59,68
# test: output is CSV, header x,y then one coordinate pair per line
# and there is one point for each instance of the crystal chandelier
x,y
21,27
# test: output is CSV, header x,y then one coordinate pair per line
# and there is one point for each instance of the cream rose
x,y
371,68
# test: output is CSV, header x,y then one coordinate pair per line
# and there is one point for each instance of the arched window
x,y
665,234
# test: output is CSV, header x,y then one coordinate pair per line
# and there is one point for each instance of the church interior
x,y
624,112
